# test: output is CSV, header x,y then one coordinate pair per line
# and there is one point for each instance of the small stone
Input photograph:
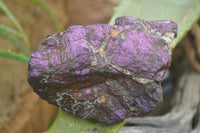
x,y
104,72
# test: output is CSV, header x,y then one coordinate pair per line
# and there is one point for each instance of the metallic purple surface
x,y
104,72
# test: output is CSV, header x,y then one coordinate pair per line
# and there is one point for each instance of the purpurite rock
x,y
104,72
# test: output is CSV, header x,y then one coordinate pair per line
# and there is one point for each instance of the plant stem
x,y
10,30
44,7
5,9
17,43
18,57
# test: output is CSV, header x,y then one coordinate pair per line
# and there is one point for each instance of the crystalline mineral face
x,y
104,72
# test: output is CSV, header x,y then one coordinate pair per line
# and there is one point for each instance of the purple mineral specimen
x,y
104,72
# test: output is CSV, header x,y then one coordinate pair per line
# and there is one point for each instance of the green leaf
x,y
67,123
11,55
5,9
44,7
16,42
184,12
10,30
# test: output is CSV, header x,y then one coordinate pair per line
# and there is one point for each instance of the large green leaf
x,y
184,12
67,123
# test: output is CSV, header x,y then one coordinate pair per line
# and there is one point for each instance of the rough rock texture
x,y
104,72
184,113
